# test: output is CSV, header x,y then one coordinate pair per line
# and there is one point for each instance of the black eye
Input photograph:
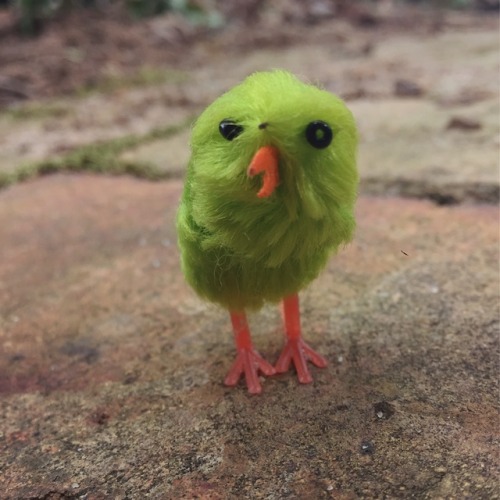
x,y
319,134
229,130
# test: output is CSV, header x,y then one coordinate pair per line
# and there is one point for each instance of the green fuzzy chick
x,y
269,193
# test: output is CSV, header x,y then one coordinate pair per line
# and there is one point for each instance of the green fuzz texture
x,y
239,250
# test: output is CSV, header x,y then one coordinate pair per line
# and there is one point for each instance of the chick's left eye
x,y
319,134
229,129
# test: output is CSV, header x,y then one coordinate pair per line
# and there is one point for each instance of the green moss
x,y
5,180
37,110
102,157
146,76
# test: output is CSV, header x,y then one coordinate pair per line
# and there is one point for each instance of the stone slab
x,y
168,156
58,127
111,369
406,146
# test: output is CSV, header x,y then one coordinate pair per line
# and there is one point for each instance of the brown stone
x,y
111,369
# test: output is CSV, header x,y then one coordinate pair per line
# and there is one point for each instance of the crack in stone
x,y
442,194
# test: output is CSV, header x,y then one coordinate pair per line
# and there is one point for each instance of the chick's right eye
x,y
229,129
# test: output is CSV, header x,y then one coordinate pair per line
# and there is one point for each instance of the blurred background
x,y
49,47
113,85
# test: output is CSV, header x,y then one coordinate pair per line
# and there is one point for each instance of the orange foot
x,y
249,363
300,353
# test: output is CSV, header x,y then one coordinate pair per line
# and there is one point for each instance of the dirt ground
x,y
87,48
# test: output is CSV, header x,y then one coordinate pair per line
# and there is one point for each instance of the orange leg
x,y
296,349
248,362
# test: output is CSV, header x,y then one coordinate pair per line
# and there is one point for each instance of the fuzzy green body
x,y
239,250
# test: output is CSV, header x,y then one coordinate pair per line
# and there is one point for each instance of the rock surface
x,y
406,145
111,369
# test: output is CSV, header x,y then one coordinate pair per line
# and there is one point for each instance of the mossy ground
x,y
100,157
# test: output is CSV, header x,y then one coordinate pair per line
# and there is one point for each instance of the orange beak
x,y
265,161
